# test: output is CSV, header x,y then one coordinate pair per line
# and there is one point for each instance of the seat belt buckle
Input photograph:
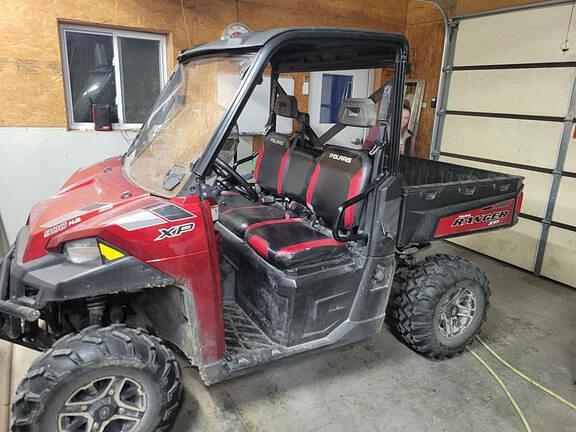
x,y
378,144
267,199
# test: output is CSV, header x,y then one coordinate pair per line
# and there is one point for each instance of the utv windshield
x,y
182,122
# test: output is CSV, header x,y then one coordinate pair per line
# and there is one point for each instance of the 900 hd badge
x,y
175,231
61,226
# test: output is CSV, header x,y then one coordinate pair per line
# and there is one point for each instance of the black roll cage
x,y
305,50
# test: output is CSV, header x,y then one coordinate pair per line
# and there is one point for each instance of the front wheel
x,y
440,306
103,379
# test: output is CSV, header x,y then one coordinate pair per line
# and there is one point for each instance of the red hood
x,y
90,192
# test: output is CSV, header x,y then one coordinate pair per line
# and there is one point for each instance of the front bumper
x,y
12,314
8,307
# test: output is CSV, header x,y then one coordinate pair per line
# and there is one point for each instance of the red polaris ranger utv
x,y
171,246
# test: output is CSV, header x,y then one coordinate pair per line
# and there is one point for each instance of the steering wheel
x,y
228,173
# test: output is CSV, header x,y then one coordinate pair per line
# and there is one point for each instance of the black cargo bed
x,y
443,200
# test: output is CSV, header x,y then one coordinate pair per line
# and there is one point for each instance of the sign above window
x,y
121,70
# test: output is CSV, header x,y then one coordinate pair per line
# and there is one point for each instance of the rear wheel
x,y
440,306
111,379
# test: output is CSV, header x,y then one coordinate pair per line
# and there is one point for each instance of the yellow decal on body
x,y
109,253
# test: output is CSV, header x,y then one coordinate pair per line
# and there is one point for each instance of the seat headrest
x,y
358,112
286,106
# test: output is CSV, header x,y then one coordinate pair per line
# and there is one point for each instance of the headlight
x,y
90,251
83,251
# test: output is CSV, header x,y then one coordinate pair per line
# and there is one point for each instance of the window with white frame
x,y
123,70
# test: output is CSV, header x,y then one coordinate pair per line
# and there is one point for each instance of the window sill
x,y
89,127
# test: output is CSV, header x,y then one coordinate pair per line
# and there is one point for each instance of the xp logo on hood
x,y
155,215
175,231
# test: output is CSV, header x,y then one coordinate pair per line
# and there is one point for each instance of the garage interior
x,y
492,86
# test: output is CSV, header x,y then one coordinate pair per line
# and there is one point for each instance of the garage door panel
x,y
518,91
516,245
520,141
510,110
560,256
565,208
531,36
536,184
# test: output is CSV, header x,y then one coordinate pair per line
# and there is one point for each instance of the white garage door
x,y
510,108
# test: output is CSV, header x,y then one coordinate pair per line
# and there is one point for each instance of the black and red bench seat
x,y
287,243
336,176
237,212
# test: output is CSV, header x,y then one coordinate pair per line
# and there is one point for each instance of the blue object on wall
x,y
335,90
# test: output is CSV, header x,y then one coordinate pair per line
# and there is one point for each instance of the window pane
x,y
335,90
90,63
140,68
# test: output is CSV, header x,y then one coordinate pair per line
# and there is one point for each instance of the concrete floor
x,y
379,384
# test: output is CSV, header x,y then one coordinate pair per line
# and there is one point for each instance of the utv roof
x,y
313,48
